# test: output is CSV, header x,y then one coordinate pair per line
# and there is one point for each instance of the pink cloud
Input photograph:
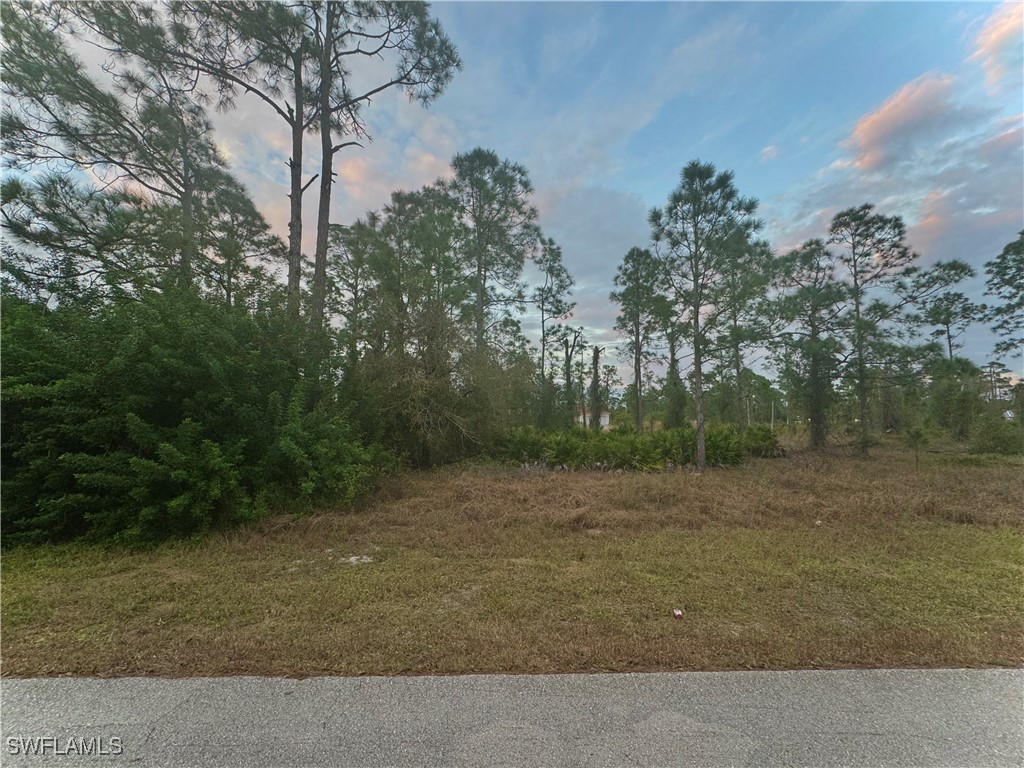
x,y
277,213
361,185
277,138
932,220
915,108
1005,142
999,44
425,167
355,172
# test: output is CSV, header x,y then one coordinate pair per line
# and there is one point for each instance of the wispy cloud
x,y
999,46
953,172
769,153
561,51
581,140
921,110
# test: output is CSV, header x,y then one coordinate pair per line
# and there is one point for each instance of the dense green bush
x,y
525,445
761,440
160,417
991,433
627,450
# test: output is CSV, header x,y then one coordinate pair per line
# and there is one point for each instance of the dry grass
x,y
810,561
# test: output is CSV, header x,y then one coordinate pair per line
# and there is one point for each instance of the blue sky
x,y
915,107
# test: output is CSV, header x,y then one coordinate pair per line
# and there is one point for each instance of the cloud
x,y
769,153
975,202
364,183
933,217
920,110
411,147
966,203
226,150
952,170
963,200
426,166
999,44
572,42
580,141
595,226
786,230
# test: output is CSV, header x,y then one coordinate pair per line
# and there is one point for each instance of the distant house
x,y
583,418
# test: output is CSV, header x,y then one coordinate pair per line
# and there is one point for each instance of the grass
x,y
804,562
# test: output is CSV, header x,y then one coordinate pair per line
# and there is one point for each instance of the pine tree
x,y
700,229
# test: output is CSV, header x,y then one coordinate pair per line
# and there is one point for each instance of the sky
x,y
815,106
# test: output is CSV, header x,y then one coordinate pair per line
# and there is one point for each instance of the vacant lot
x,y
809,561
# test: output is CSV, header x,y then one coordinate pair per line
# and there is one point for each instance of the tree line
x,y
173,365
849,319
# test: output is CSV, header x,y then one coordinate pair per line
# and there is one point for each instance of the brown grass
x,y
810,561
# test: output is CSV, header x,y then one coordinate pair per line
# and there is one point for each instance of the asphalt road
x,y
820,718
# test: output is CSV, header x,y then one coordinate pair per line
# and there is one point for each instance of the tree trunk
x,y
188,223
698,388
543,342
738,368
595,392
481,288
862,372
570,395
890,419
816,410
355,332
323,220
295,194
188,235
674,416
229,284
737,365
638,383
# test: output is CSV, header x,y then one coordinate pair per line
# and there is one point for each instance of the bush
x,y
993,434
159,418
568,448
761,440
624,449
524,445
318,454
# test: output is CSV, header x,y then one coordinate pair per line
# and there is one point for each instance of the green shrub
x,y
722,446
176,484
683,445
644,454
761,440
993,434
160,417
318,454
626,449
521,445
568,448
606,450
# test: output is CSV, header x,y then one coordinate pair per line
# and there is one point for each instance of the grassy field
x,y
809,561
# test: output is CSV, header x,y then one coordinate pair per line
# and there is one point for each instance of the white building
x,y
583,418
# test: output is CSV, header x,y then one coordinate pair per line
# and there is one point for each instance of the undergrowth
x,y
579,449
